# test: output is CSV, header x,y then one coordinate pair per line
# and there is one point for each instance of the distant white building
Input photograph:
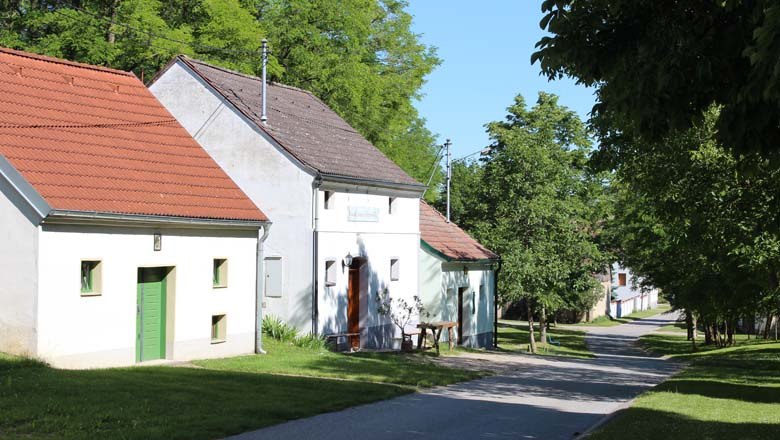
x,y
121,240
628,296
346,218
457,279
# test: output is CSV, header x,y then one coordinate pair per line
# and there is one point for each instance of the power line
x,y
469,155
433,169
112,125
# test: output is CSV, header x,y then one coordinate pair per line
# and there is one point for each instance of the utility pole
x,y
447,146
264,114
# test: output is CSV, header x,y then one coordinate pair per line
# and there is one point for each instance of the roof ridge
x,y
50,59
246,75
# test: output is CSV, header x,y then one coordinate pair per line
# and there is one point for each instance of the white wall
x,y
18,272
439,284
99,331
391,236
278,186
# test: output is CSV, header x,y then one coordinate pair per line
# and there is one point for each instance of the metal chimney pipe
x,y
264,114
449,175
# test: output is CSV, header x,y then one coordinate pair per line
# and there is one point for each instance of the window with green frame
x,y
220,272
90,278
218,328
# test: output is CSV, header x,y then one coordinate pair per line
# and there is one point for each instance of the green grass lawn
x,y
677,327
727,393
606,321
395,368
513,336
228,396
38,402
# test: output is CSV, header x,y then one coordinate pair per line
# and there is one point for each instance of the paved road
x,y
531,397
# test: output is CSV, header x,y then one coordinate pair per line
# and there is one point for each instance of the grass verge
x,y
39,402
513,336
727,393
606,321
228,396
394,368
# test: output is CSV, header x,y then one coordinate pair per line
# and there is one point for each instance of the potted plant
x,y
400,312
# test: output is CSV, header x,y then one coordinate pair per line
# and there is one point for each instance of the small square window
x,y
391,208
395,269
329,199
91,279
220,273
330,272
621,279
218,328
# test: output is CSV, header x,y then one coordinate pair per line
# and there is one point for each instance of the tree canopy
x,y
360,57
533,200
658,66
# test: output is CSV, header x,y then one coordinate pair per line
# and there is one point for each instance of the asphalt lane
x,y
531,397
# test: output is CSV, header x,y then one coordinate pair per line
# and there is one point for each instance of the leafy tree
x,y
535,208
360,57
658,66
702,224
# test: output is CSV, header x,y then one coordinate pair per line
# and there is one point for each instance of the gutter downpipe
x,y
315,312
260,289
495,304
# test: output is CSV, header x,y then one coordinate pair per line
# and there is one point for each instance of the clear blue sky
x,y
486,50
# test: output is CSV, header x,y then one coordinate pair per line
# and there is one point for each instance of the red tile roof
x,y
94,139
304,126
448,239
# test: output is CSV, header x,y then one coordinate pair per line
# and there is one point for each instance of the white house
x,y
346,218
457,279
121,240
628,294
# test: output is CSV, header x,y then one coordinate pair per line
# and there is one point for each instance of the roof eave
x,y
117,219
336,178
449,259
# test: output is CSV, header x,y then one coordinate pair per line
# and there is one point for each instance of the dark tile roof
x,y
448,239
304,126
93,139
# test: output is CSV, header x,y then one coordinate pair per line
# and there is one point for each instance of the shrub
x,y
277,329
310,341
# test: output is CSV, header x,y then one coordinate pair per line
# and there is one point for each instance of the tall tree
x,y
658,66
536,192
361,57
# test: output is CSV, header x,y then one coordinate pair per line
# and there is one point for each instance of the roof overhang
x,y
356,184
449,259
23,188
62,217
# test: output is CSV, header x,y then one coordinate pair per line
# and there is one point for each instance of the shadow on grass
x,y
37,401
514,337
643,423
393,368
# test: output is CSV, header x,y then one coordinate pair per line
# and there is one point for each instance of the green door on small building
x,y
150,319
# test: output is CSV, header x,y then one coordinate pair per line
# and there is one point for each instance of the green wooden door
x,y
150,320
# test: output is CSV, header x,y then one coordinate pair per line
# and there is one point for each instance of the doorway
x,y
353,305
461,294
151,314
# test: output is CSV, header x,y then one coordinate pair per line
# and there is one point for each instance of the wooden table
x,y
436,329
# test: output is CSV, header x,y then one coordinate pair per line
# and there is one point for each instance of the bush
x,y
310,341
275,328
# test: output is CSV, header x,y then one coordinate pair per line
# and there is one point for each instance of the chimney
x,y
264,114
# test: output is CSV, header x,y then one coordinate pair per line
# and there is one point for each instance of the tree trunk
x,y
729,333
689,324
767,324
695,327
543,326
531,336
110,35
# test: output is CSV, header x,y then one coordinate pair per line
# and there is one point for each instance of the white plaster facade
x,y
440,282
293,196
44,314
631,297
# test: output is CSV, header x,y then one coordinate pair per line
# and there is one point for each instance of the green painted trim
x,y
439,254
